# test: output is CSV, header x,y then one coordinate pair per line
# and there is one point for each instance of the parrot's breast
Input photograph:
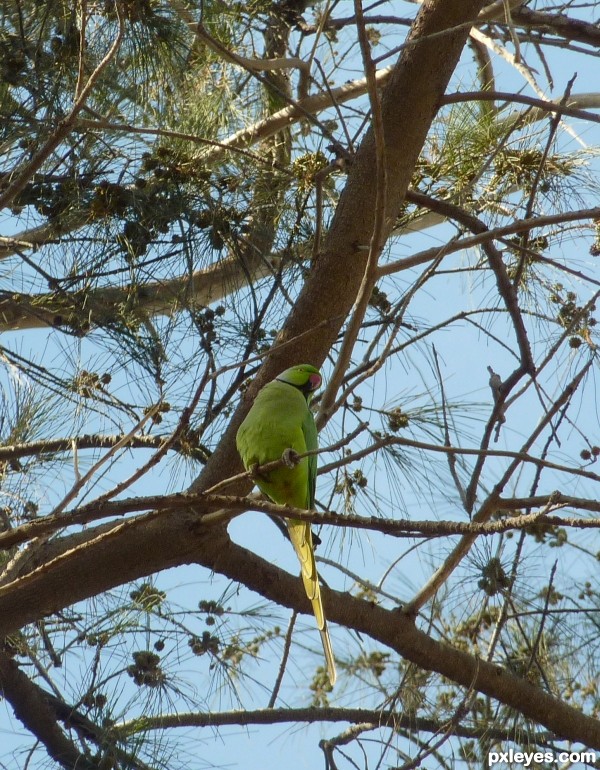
x,y
274,424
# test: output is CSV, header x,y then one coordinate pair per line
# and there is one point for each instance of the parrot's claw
x,y
290,458
253,471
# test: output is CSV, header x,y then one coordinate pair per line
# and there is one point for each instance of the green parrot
x,y
279,424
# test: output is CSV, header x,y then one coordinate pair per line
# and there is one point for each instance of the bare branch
x,y
376,240
375,717
505,288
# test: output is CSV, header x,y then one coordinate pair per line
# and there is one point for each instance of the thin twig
x,y
540,631
451,456
284,659
164,448
505,288
554,124
311,715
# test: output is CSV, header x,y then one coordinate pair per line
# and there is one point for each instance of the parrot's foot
x,y
253,471
291,458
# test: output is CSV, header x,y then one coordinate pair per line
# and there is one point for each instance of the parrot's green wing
x,y
309,429
280,419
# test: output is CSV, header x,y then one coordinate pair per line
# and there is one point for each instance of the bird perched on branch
x,y
281,426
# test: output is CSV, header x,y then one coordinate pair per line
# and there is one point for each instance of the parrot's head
x,y
304,377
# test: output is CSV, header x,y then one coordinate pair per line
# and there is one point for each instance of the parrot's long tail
x,y
301,537
327,649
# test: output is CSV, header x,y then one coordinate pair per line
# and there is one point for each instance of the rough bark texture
x,y
396,630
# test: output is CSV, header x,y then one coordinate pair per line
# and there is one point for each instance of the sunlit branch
x,y
559,24
543,106
203,505
47,447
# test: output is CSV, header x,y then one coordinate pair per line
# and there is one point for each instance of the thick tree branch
x,y
394,629
204,287
190,528
209,285
55,446
32,709
130,551
101,306
558,24
486,235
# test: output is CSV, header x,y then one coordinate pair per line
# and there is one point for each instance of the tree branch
x,y
505,288
32,709
558,24
491,503
134,550
377,717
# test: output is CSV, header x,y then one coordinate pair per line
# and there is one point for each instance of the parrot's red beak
x,y
315,381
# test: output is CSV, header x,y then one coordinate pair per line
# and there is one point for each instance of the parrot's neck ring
x,y
305,389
